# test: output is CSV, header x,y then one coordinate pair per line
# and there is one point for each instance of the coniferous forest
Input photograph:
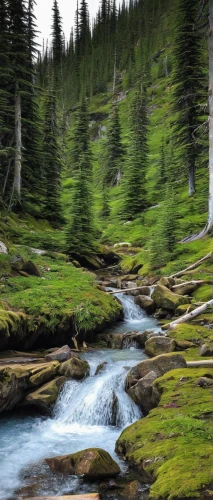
x,y
106,182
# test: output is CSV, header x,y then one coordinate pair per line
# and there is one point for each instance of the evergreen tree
x,y
114,150
80,230
134,181
5,110
188,82
81,138
52,163
164,237
57,35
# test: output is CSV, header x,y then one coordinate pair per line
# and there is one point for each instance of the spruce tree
x,y
188,85
5,109
52,162
80,230
134,180
57,35
114,150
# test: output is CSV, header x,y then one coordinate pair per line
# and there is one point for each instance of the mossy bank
x,y
49,309
172,446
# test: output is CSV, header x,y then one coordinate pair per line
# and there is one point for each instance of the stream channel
x,y
83,417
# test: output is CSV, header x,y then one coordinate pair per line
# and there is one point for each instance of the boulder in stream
x,y
146,303
75,368
62,354
159,345
45,397
159,364
163,297
92,463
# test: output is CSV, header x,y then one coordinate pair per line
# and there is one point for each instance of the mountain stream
x,y
84,416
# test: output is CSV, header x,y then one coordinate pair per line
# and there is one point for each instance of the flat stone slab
x,y
90,496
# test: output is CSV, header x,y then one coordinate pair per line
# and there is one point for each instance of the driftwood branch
x,y
193,266
187,317
198,282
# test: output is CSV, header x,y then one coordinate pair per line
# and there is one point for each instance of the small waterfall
x,y
132,312
99,400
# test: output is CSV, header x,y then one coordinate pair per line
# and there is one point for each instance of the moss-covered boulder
x,y
159,345
44,375
92,463
167,282
75,368
193,333
163,297
160,365
45,397
172,446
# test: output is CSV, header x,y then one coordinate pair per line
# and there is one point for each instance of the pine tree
x,y
52,163
5,110
81,138
164,237
57,35
80,231
188,82
134,180
114,150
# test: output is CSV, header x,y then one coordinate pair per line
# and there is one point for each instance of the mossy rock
x,y
163,297
193,333
45,375
162,445
159,364
92,463
45,397
75,368
159,345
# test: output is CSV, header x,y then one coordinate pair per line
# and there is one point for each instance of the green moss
x,y
193,333
63,294
174,442
11,321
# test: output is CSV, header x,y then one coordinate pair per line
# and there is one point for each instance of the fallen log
x,y
187,317
193,266
198,282
196,364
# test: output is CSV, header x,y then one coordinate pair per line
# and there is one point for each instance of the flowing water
x,y
88,413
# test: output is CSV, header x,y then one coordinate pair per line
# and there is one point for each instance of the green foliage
x,y
113,150
134,180
80,234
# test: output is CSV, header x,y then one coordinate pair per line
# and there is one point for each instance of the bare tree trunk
x,y
18,155
209,224
192,266
210,215
189,316
191,179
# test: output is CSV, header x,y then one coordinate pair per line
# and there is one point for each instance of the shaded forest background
x,y
104,138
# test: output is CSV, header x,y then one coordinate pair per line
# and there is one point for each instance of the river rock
x,y
44,375
44,397
62,354
115,340
187,289
142,337
146,303
75,368
142,392
160,365
163,297
205,382
159,345
145,290
92,463
100,367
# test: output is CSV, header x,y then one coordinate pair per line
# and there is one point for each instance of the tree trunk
x,y
18,156
189,316
210,215
191,175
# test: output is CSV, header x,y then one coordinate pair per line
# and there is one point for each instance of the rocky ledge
x,y
38,383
